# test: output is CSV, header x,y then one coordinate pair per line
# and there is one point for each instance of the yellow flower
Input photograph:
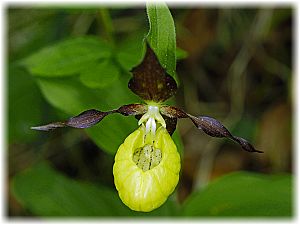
x,y
146,170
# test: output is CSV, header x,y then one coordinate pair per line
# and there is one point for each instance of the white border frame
x,y
206,3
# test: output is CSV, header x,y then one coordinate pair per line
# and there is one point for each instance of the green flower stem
x,y
106,21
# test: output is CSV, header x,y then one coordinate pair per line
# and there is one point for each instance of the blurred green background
x,y
234,64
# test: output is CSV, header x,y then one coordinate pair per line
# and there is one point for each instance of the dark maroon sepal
x,y
50,126
208,125
214,128
86,119
171,124
83,120
150,80
91,117
173,112
245,144
132,109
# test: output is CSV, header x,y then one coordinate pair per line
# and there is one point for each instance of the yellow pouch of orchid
x,y
146,171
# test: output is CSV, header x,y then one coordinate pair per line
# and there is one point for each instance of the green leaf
x,y
67,58
45,192
161,36
100,75
243,194
65,94
24,105
72,97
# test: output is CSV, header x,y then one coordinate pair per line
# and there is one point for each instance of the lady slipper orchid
x,y
147,164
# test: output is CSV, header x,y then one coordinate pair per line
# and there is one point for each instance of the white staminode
x,y
152,116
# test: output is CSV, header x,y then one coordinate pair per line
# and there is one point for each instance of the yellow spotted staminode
x,y
147,164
